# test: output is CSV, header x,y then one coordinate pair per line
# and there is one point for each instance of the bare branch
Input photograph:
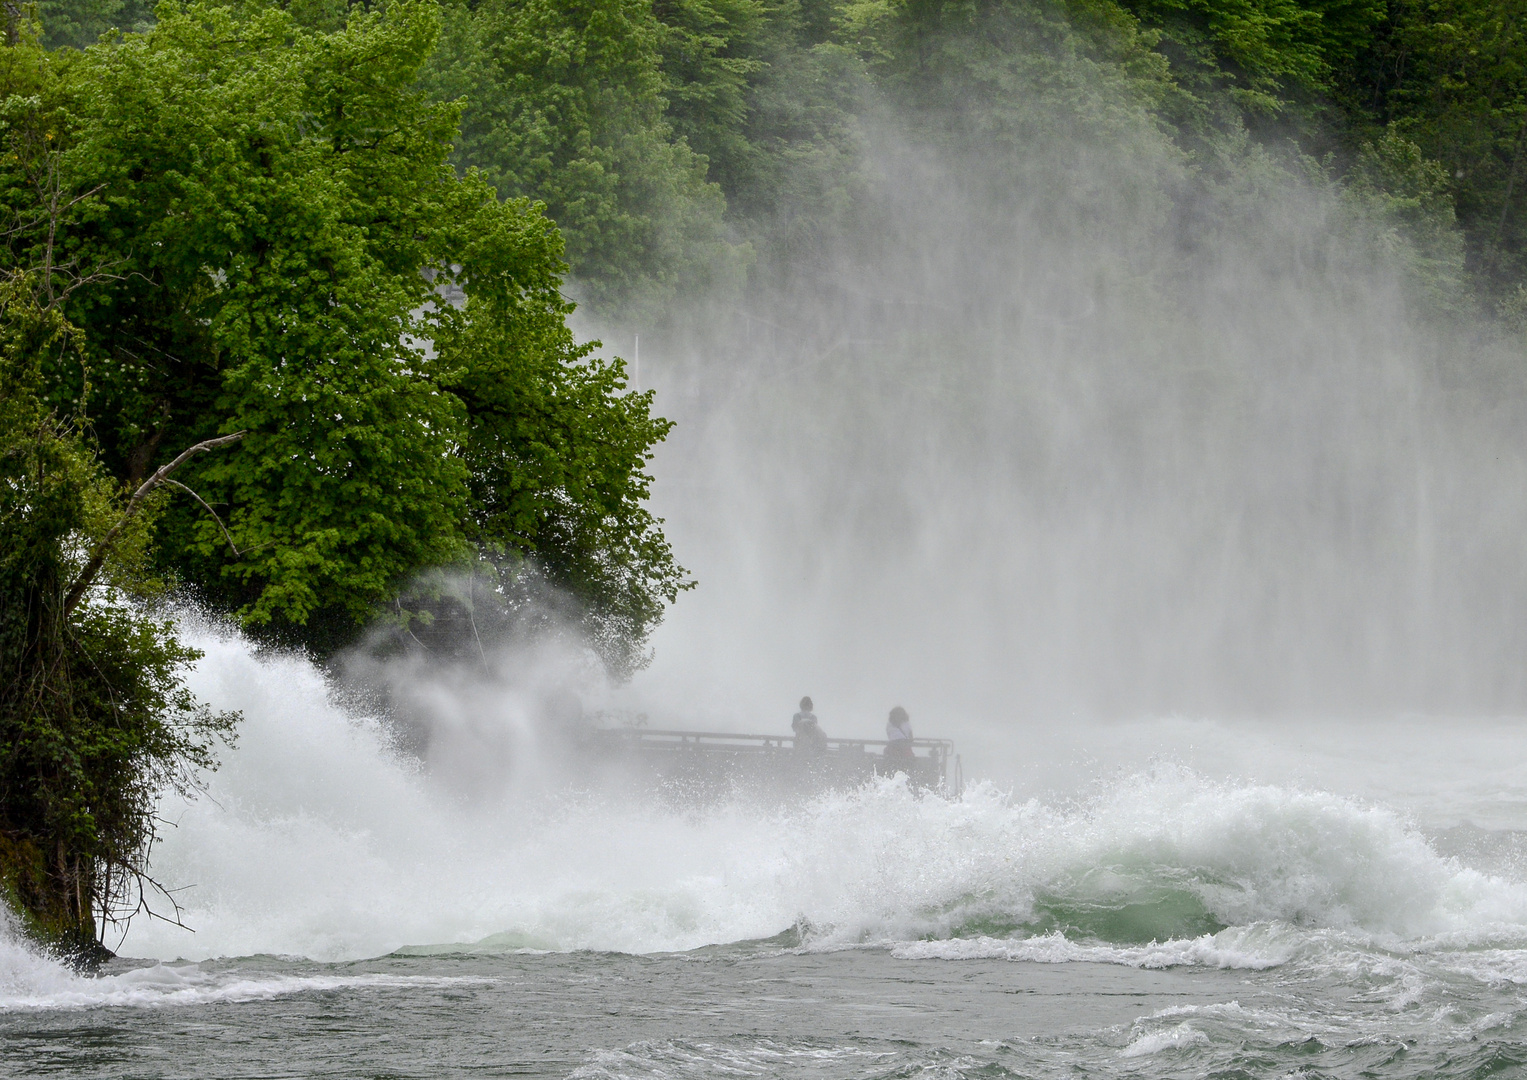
x,y
102,549
27,226
226,534
118,910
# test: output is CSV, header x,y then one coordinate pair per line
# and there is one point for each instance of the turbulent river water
x,y
1195,906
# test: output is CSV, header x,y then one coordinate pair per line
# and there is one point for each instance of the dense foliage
x,y
1452,78
94,718
290,253
677,143
772,95
564,104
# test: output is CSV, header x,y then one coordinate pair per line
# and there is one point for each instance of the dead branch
x,y
102,549
226,534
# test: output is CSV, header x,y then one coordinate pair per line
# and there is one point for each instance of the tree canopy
x,y
677,143
564,103
760,101
284,249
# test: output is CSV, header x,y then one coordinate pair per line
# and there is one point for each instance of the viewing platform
x,y
721,760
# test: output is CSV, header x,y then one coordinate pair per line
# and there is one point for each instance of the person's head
x,y
805,704
899,716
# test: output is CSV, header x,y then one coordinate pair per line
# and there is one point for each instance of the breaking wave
x,y
318,839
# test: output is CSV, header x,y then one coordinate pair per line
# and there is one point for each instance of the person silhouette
x,y
898,733
809,736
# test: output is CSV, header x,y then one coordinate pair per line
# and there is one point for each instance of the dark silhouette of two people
x,y
811,739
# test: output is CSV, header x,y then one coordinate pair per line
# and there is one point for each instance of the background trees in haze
x,y
681,145
764,102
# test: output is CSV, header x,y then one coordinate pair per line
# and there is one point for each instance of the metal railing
x,y
654,738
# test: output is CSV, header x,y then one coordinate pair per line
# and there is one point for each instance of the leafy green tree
x,y
1407,195
708,50
1254,59
761,88
554,448
990,76
564,104
239,235
257,211
284,249
265,249
1451,77
95,720
79,23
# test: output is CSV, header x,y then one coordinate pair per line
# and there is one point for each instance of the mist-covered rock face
x,y
1066,426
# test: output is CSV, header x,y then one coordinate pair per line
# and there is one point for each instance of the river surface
x,y
755,1011
1341,1007
1195,899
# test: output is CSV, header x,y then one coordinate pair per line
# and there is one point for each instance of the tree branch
x,y
226,534
98,556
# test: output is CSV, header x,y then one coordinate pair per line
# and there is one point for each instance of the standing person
x,y
809,736
898,733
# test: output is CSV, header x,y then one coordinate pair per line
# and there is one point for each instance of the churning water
x,y
355,917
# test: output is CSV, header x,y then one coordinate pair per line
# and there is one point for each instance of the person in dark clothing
x,y
809,736
898,733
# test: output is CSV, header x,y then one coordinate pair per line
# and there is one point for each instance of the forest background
x,y
685,144
645,158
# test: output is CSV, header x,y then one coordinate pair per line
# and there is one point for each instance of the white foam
x,y
1183,1035
317,840
1227,949
676,1058
30,980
